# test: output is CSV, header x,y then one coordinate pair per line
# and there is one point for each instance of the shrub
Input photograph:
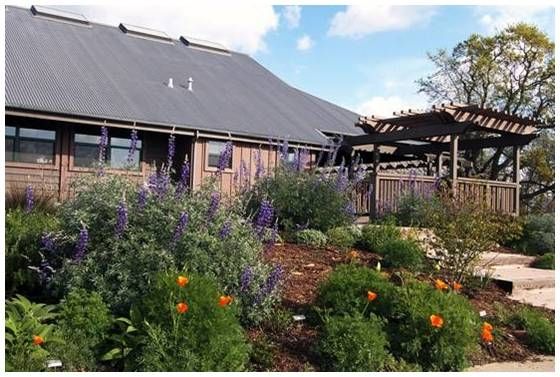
x,y
23,248
84,323
413,208
345,291
163,228
402,253
305,198
537,236
353,343
343,237
374,236
540,331
545,261
24,322
205,337
311,237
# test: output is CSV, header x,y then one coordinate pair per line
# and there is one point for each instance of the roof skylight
x,y
204,45
144,32
59,15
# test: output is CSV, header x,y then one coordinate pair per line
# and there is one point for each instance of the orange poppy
x,y
440,284
38,340
436,321
182,281
225,301
371,296
487,336
182,308
457,286
487,327
353,254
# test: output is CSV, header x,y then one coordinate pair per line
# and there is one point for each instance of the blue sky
x,y
363,57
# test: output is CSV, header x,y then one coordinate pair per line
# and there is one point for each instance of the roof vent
x,y
170,83
200,44
190,82
143,32
59,15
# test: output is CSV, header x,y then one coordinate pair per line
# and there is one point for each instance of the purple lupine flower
x,y
29,200
44,271
48,242
142,196
349,209
264,217
170,151
132,147
246,278
102,150
122,219
270,284
158,182
81,245
213,206
184,177
259,165
180,228
284,151
243,175
225,157
303,159
225,231
341,183
272,238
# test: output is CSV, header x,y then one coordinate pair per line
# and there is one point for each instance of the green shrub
x,y
304,198
353,344
537,237
311,237
402,253
416,341
207,337
24,321
545,261
121,268
262,354
413,208
345,291
540,331
84,324
343,236
23,248
374,236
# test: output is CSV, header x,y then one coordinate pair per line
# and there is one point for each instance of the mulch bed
x,y
305,268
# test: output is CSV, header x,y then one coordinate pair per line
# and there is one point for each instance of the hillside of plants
x,y
160,277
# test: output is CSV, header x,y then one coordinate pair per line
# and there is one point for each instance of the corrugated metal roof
x,y
102,72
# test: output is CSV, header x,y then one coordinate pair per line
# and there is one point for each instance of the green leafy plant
x,y
124,343
545,261
262,354
29,334
537,237
215,340
375,235
539,329
402,253
311,237
343,237
353,344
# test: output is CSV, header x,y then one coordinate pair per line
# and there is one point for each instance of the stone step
x,y
519,277
503,259
543,297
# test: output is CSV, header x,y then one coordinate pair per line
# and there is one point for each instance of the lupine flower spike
x,y
29,201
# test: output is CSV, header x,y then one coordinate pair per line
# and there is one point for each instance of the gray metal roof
x,y
99,71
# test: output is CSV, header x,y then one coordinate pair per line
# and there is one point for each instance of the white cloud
x,y
239,26
304,43
360,20
292,15
383,107
494,18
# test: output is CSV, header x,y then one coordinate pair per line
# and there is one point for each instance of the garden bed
x,y
305,268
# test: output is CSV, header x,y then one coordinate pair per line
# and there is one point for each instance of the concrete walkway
x,y
543,364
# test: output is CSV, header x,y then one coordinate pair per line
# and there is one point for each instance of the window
x,y
86,151
215,148
30,145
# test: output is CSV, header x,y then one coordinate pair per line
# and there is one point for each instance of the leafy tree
x,y
512,70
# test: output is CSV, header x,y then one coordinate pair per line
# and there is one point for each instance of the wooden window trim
x,y
207,167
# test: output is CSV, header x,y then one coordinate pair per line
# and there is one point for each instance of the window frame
x,y
17,141
207,166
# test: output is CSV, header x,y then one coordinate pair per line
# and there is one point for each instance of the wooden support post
x,y
439,164
373,194
429,165
517,176
453,162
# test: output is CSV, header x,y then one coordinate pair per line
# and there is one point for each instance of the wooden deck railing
x,y
499,196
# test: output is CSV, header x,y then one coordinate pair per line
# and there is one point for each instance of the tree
x,y
512,71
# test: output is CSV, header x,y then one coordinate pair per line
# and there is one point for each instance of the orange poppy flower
x,y
436,321
225,301
440,285
182,281
182,308
38,340
371,296
487,327
457,286
353,254
487,336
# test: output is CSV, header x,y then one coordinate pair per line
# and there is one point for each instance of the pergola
x,y
428,138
